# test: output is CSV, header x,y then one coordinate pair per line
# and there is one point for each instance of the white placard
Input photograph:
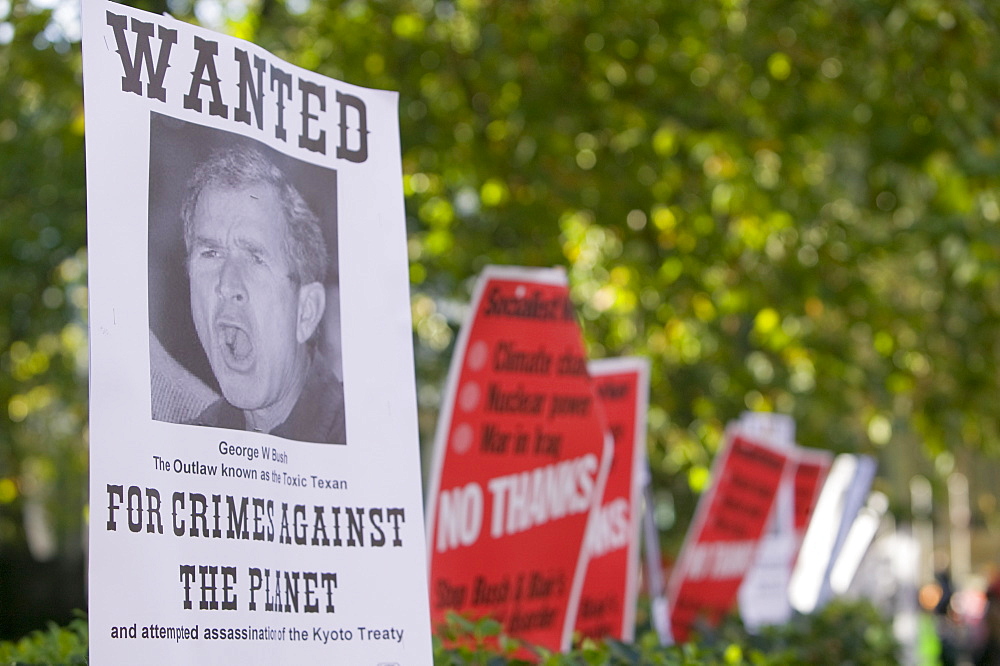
x,y
255,474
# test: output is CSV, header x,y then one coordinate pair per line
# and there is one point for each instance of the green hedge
x,y
54,645
843,633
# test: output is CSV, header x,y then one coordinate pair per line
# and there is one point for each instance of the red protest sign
x,y
520,461
722,540
763,596
811,468
610,589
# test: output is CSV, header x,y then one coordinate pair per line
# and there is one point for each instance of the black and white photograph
x,y
248,299
244,325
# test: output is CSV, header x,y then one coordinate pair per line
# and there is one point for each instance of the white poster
x,y
255,474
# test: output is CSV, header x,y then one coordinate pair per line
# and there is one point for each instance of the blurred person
x,y
986,646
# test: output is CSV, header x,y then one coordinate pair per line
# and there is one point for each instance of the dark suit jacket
x,y
318,416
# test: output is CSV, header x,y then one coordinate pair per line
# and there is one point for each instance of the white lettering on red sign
x,y
720,560
534,497
460,517
610,529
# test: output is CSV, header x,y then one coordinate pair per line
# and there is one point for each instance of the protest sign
x,y
721,543
520,461
776,429
763,596
811,468
843,493
255,473
610,589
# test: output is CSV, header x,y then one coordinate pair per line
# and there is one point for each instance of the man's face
x,y
244,301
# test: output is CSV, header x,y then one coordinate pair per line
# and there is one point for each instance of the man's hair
x,y
242,166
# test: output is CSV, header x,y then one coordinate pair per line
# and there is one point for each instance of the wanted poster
x,y
520,461
255,478
611,587
723,539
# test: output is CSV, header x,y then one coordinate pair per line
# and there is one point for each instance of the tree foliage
x,y
785,205
43,363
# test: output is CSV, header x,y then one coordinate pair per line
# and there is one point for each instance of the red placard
x,y
610,590
520,461
811,469
722,541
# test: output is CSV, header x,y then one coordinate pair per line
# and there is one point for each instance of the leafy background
x,y
786,205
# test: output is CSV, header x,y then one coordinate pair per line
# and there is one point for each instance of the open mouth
x,y
236,345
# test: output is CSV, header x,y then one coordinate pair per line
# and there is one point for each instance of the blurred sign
x,y
844,492
763,596
722,541
811,469
520,461
611,587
